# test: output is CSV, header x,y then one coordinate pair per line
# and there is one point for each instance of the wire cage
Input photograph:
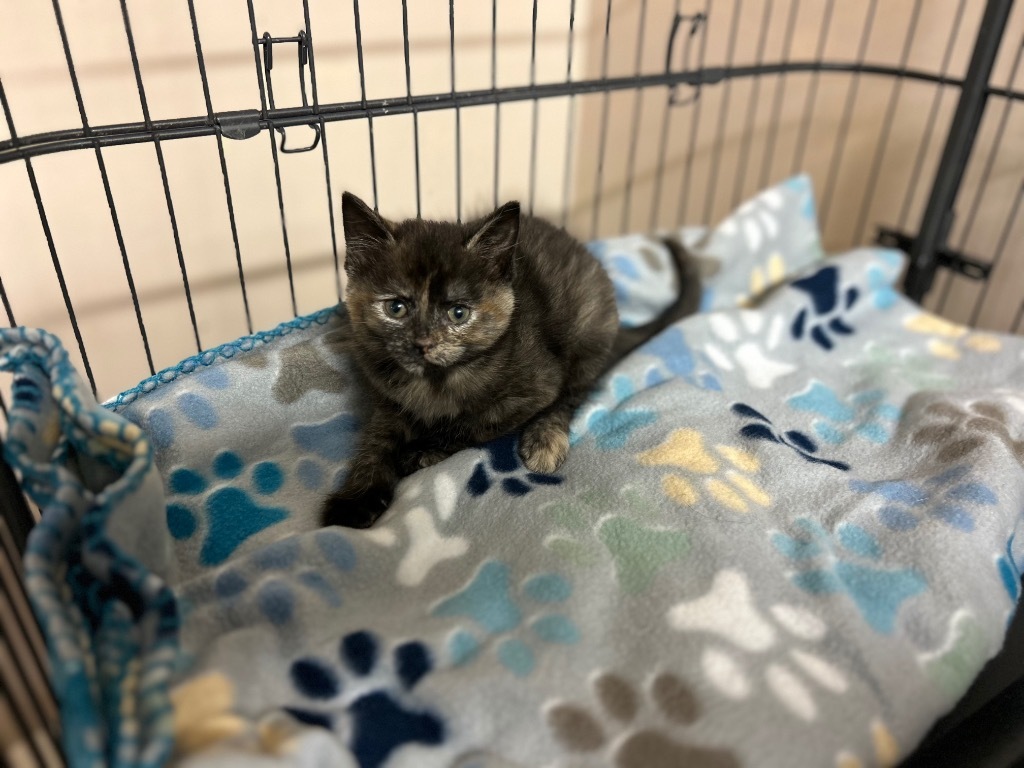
x,y
171,174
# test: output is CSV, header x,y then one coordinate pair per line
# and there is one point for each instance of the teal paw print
x,y
848,562
488,601
612,427
231,514
863,414
276,579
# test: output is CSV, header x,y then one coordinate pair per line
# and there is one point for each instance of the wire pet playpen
x,y
608,117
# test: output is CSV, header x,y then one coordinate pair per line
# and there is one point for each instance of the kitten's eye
x,y
458,314
396,308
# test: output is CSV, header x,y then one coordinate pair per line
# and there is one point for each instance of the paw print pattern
x,y
612,427
428,543
947,496
950,341
229,514
381,716
743,344
849,562
882,362
488,601
1010,572
863,414
680,361
503,458
325,445
882,276
638,551
642,274
958,431
727,614
724,473
829,305
198,411
961,654
578,730
760,427
274,578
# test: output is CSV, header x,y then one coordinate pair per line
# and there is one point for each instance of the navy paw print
x,y
277,578
761,428
948,496
823,288
231,514
380,723
503,458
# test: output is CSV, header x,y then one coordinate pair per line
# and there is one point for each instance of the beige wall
x,y
729,146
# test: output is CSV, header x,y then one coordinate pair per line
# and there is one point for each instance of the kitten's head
x,y
426,295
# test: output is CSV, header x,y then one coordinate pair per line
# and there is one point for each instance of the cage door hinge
x,y
945,257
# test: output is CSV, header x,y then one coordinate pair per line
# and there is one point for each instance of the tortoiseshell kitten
x,y
466,332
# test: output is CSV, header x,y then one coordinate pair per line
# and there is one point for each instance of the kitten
x,y
466,332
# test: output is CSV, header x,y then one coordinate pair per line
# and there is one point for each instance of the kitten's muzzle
x,y
424,346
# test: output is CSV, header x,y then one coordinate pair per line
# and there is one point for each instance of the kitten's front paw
x,y
423,459
356,510
543,446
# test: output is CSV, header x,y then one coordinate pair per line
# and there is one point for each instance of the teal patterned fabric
x,y
787,534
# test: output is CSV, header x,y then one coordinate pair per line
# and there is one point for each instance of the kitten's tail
x,y
688,280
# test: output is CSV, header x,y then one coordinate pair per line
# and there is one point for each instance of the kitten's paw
x,y
422,459
543,446
356,510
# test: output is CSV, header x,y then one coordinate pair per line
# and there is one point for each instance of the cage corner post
x,y
937,220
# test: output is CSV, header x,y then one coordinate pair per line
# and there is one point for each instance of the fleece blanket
x,y
784,536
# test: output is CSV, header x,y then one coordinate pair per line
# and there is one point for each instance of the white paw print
x,y
757,219
728,612
743,344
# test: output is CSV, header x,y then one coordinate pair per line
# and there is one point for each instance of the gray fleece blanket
x,y
784,536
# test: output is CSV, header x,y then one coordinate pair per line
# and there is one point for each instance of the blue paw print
x,y
761,428
504,458
487,600
197,410
231,514
612,428
864,414
848,562
680,360
946,497
1010,573
881,278
823,288
380,722
281,571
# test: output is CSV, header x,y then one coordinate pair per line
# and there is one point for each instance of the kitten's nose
x,y
423,345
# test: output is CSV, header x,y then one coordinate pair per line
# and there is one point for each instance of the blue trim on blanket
x,y
221,352
69,549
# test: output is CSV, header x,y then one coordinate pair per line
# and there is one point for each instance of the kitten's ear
x,y
497,237
367,235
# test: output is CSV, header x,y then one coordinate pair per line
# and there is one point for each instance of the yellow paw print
x,y
733,488
887,751
203,713
204,717
951,338
764,277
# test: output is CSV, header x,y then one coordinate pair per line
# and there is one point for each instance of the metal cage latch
x,y
697,23
304,45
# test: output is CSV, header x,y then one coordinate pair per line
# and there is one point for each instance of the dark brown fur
x,y
542,328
